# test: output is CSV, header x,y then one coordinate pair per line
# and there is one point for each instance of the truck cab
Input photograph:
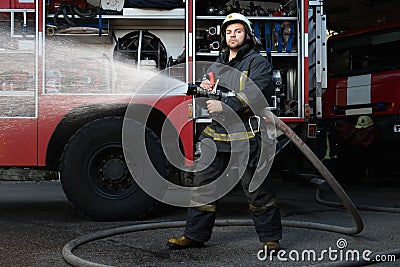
x,y
361,105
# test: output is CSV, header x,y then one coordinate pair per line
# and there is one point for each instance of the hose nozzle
x,y
197,91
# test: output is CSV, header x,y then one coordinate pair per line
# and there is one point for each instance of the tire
x,y
95,177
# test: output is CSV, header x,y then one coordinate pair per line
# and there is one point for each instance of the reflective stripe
x,y
358,93
243,79
228,137
205,207
328,148
209,207
267,206
243,98
359,90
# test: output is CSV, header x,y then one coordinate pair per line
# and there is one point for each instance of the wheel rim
x,y
108,173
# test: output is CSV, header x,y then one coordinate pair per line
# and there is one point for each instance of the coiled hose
x,y
68,11
346,202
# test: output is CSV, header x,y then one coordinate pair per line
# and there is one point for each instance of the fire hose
x,y
320,167
69,10
322,201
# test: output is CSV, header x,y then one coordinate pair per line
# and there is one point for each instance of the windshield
x,y
366,53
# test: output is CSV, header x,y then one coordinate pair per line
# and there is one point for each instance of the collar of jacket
x,y
243,52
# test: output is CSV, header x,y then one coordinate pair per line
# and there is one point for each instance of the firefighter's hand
x,y
207,85
214,106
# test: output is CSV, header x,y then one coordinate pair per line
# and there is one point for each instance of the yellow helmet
x,y
364,122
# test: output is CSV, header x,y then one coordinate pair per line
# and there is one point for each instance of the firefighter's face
x,y
235,35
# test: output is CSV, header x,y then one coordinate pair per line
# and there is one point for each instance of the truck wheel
x,y
95,177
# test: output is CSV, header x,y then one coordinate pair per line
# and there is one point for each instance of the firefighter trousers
x,y
262,202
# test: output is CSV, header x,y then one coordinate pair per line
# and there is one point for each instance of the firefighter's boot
x,y
272,247
183,242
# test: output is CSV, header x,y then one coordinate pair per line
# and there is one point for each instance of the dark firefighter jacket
x,y
249,74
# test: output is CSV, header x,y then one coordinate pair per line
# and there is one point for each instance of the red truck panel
x,y
52,108
5,4
18,142
379,92
30,4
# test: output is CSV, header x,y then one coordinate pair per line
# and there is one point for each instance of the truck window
x,y
363,54
17,69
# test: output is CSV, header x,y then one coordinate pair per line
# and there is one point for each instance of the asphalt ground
x,y
37,221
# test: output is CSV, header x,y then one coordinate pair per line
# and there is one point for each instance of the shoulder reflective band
x,y
278,32
243,79
291,37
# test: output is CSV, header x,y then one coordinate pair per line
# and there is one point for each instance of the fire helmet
x,y
364,122
234,18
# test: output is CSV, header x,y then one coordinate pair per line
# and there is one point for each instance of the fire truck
x,y
72,69
360,107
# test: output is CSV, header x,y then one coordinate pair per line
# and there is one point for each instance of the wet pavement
x,y
37,221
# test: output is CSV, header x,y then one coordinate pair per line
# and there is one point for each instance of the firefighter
x,y
239,51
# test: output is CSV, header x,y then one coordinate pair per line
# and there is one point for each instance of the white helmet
x,y
236,17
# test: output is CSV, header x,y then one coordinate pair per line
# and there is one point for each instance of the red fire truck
x,y
85,61
360,108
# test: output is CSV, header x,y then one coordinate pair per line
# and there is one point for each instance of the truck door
x,y
18,83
